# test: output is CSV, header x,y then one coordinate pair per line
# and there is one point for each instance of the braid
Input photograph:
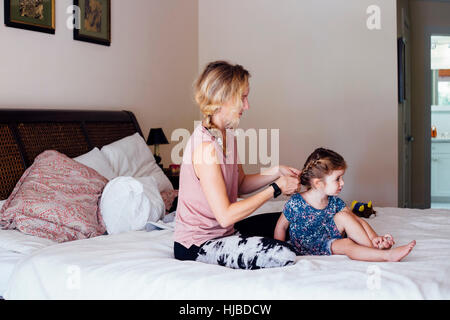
x,y
320,163
306,173
208,112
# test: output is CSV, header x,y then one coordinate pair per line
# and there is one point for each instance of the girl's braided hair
x,y
320,163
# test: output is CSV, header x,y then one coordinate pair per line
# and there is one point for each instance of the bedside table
x,y
174,178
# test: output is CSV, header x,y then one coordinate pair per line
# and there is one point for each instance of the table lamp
x,y
156,137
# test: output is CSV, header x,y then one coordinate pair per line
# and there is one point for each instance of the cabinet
x,y
440,171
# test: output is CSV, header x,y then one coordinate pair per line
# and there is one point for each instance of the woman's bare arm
x,y
249,183
208,170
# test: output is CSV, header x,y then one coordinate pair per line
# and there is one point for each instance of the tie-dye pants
x,y
244,251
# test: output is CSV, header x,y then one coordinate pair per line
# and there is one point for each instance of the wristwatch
x,y
276,190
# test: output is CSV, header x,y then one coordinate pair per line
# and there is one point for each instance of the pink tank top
x,y
195,222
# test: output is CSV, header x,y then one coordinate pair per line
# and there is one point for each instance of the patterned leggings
x,y
252,247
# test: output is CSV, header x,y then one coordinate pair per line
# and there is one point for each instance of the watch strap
x,y
276,189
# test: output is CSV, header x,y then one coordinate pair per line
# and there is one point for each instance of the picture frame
x,y
34,15
94,21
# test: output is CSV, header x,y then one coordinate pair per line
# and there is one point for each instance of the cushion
x,y
132,157
56,198
128,203
96,160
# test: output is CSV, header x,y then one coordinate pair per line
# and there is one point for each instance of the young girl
x,y
320,223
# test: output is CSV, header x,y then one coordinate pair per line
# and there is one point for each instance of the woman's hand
x,y
291,183
288,184
288,171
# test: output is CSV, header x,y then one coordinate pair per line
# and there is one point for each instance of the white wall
x,y
148,69
320,76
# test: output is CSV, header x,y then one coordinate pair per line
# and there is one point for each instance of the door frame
x,y
404,113
429,31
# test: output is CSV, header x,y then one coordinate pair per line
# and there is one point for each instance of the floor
x,y
440,205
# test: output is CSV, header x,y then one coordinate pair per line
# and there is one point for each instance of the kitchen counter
x,y
440,140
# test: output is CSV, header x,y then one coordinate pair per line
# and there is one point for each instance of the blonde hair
x,y
219,83
320,163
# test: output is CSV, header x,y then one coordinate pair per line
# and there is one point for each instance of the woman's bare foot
x,y
397,254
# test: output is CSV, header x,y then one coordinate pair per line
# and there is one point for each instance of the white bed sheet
x,y
14,246
140,265
8,259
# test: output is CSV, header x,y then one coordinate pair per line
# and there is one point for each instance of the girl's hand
x,y
383,242
377,242
288,171
288,184
388,241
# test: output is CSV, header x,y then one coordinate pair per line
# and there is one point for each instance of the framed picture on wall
x,y
36,15
94,21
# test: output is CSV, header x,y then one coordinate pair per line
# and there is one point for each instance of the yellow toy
x,y
362,209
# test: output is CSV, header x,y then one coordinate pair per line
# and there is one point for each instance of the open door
x,y
404,114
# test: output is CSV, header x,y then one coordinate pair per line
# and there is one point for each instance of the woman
x,y
211,179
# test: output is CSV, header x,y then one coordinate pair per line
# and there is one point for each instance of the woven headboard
x,y
25,133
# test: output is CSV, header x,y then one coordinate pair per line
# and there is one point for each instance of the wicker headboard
x,y
25,133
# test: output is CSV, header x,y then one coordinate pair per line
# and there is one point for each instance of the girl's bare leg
x,y
357,252
352,227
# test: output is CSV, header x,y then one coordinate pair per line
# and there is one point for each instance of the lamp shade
x,y
156,136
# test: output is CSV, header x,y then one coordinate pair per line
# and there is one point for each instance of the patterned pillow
x,y
56,198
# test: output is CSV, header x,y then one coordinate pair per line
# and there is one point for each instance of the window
x,y
444,92
440,65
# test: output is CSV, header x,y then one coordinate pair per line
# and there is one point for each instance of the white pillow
x,y
96,160
1,203
132,157
127,204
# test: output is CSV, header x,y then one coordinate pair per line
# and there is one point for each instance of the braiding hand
x,y
288,171
288,184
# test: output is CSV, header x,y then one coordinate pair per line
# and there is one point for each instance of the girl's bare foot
x,y
397,254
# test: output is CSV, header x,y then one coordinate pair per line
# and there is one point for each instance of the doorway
x,y
440,120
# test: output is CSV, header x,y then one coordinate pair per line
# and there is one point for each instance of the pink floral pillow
x,y
56,198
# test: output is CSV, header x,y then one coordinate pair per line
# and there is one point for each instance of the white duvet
x,y
140,265
14,246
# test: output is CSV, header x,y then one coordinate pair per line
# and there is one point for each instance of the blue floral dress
x,y
312,230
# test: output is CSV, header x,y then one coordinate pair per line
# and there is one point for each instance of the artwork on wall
x,y
94,21
36,15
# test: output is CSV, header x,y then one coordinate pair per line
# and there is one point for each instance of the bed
x,y
140,264
25,133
